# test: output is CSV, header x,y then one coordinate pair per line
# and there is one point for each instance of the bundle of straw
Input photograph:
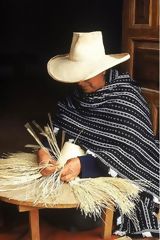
x,y
20,171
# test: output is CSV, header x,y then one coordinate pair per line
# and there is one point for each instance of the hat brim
x,y
62,69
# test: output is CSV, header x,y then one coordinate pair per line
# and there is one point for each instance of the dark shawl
x,y
116,127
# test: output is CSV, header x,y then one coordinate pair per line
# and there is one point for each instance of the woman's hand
x,y
71,169
43,158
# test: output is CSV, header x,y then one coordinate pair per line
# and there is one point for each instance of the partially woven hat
x,y
85,60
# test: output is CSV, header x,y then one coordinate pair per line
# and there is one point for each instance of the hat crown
x,y
85,60
86,46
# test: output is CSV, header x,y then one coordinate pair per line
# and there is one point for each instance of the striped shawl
x,y
116,128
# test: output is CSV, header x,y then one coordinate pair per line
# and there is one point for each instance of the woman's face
x,y
92,84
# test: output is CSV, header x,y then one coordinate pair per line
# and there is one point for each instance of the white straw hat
x,y
85,60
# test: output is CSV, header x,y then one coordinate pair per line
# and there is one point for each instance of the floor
x,y
14,226
50,234
47,232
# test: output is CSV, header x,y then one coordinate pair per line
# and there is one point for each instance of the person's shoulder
x,y
115,76
123,82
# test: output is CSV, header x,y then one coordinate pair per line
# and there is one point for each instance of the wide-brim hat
x,y
85,60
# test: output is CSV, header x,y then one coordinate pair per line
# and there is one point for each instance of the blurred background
x,y
31,32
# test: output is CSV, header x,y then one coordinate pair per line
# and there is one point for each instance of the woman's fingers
x,y
67,174
52,161
45,159
48,170
71,170
67,178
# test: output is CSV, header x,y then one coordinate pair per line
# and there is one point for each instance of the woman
x,y
114,121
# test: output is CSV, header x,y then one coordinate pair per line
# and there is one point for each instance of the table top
x,y
64,199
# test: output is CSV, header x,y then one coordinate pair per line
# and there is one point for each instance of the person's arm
x,y
85,166
90,167
71,169
43,158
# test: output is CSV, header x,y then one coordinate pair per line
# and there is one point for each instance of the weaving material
x,y
20,179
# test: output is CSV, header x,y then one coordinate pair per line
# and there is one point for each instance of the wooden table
x,y
33,210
